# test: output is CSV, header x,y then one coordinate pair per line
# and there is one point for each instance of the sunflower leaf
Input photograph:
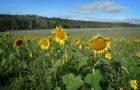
x,y
83,61
72,82
110,88
3,61
57,88
1,51
11,56
106,61
77,82
57,64
24,64
94,79
67,79
75,53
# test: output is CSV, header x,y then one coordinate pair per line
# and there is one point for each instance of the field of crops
x,y
70,59
128,32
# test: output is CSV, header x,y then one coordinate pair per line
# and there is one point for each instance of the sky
x,y
87,10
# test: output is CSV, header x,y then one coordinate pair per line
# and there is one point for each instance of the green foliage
x,y
72,82
66,67
110,88
1,51
56,65
57,88
83,61
94,79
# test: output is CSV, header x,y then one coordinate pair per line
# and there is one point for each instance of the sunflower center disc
x,y
60,34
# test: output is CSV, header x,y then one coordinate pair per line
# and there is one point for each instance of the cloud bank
x,y
133,20
103,6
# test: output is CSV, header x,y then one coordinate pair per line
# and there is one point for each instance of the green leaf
x,y
110,88
83,61
3,61
11,56
24,64
77,82
106,61
46,54
1,51
94,79
75,53
67,79
57,64
72,82
57,88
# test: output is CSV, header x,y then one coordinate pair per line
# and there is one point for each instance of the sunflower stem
x,y
124,69
66,55
95,65
18,51
66,58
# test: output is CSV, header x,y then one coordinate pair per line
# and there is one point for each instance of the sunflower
x,y
60,35
18,43
50,39
99,44
108,55
30,54
28,41
44,43
133,84
63,61
138,54
80,46
0,41
76,40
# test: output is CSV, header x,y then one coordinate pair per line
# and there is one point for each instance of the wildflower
x,y
60,35
63,61
138,54
87,47
30,54
76,40
50,39
18,43
99,44
133,84
108,55
28,41
80,46
121,88
44,43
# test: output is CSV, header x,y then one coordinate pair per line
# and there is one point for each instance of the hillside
x,y
26,22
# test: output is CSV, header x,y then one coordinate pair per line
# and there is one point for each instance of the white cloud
x,y
134,20
14,13
103,6
67,16
82,12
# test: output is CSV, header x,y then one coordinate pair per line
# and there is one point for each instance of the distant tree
x,y
19,22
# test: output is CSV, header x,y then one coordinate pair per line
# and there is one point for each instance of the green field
x,y
128,32
40,60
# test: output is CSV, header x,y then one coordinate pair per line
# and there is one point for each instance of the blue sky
x,y
88,10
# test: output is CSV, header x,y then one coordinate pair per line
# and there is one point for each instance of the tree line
x,y
30,22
